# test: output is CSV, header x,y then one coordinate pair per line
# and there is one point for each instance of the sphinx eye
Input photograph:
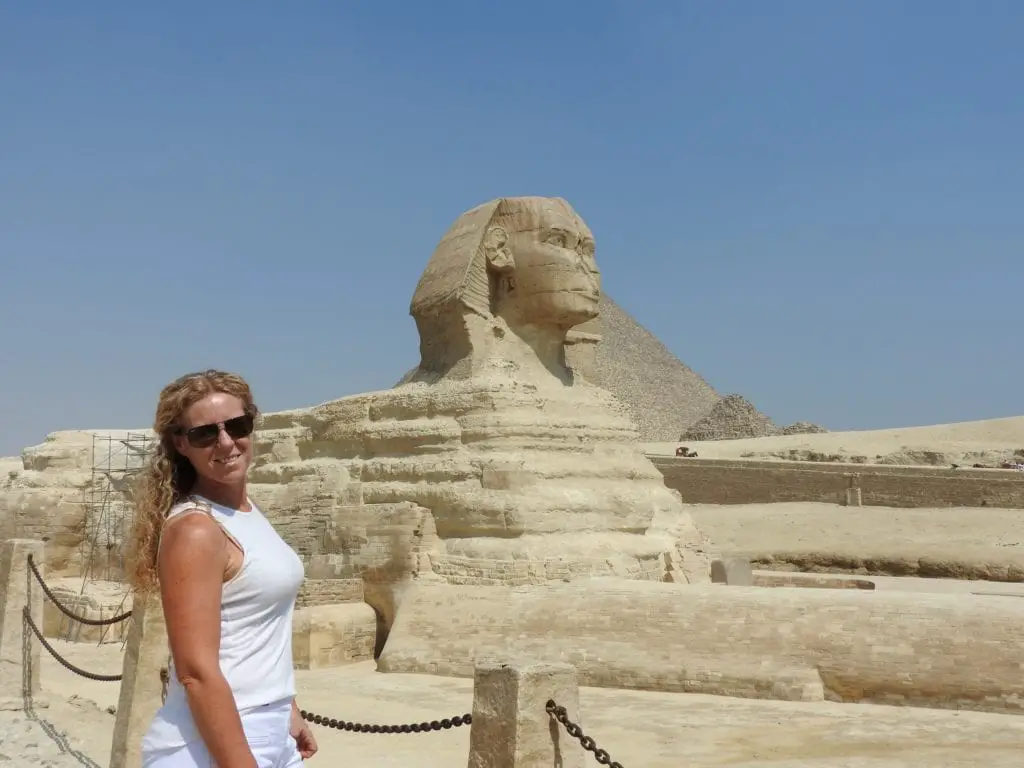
x,y
557,238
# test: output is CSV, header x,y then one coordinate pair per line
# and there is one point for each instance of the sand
x,y
641,730
966,443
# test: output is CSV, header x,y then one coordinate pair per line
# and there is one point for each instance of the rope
x,y
67,611
342,725
61,660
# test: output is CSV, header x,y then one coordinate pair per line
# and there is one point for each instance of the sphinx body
x,y
493,462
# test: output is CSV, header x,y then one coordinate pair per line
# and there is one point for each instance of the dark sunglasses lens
x,y
239,427
204,436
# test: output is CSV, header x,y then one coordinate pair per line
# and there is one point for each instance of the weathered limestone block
x,y
511,727
386,546
47,506
383,543
145,654
734,571
18,589
329,591
61,452
300,498
929,650
333,635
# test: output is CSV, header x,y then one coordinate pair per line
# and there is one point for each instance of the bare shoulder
x,y
192,538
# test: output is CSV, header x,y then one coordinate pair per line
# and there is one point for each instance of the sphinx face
x,y
555,280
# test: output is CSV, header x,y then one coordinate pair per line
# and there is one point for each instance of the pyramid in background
x,y
662,394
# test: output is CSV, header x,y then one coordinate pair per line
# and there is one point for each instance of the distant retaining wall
x,y
719,481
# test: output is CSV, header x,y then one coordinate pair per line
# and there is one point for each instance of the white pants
x,y
266,730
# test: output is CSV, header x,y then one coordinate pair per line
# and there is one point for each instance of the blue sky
x,y
817,205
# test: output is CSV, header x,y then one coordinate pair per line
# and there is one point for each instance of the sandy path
x,y
641,730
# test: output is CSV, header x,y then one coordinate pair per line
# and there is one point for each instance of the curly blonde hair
x,y
168,477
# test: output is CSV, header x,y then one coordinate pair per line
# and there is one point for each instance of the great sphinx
x,y
493,461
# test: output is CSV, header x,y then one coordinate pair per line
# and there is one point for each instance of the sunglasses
x,y
206,435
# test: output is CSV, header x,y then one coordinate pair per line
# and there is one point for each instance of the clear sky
x,y
815,204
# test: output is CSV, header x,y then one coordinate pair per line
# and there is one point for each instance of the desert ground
x,y
640,730
970,442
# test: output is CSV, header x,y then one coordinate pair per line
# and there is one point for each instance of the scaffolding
x,y
109,508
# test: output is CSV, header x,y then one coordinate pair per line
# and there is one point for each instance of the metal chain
x,y
342,725
560,714
67,611
62,661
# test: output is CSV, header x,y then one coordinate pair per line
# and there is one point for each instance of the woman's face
x,y
217,438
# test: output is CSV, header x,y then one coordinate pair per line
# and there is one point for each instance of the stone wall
x,y
53,514
848,645
720,481
318,592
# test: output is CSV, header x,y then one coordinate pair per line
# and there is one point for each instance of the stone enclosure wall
x,y
718,481
845,645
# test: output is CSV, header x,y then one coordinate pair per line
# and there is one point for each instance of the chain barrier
x,y
67,611
343,725
560,714
60,659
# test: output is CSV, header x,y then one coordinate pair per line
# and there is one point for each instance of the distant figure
x,y
685,452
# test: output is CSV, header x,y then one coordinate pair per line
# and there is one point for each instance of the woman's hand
x,y
300,731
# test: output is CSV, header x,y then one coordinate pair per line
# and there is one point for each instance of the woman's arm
x,y
193,560
301,732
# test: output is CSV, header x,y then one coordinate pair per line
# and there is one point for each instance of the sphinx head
x,y
540,256
523,263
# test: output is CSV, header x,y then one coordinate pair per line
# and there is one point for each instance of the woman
x,y
228,584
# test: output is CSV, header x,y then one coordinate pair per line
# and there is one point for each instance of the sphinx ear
x,y
499,257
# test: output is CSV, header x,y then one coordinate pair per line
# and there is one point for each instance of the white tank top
x,y
255,624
